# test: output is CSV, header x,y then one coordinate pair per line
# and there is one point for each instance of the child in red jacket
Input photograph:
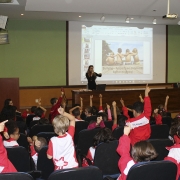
x,y
140,123
5,164
141,151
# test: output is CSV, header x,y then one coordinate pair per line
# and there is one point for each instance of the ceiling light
x,y
102,18
22,14
132,18
79,16
127,20
154,21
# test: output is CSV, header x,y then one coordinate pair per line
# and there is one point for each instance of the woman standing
x,y
91,77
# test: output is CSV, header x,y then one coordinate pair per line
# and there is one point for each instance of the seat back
x,y
15,176
41,128
153,170
108,124
32,123
159,131
47,135
167,120
106,158
118,132
44,164
80,125
87,173
19,157
160,147
29,119
22,141
85,140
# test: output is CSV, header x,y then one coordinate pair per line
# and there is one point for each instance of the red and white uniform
x,y
176,139
125,161
5,165
10,142
54,110
34,155
36,118
62,150
158,119
93,125
174,156
141,129
91,153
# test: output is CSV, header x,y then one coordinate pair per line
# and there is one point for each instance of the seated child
x,y
61,148
104,135
158,117
36,144
55,105
76,112
140,123
162,110
5,165
141,151
13,132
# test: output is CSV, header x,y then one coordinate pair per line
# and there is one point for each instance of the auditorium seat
x,y
82,173
159,131
118,132
153,170
44,164
106,159
160,147
15,176
108,124
167,120
19,157
22,141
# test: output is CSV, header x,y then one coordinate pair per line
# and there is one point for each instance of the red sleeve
x,y
92,126
114,127
123,149
5,129
33,152
102,125
24,114
57,105
100,108
147,107
158,119
50,149
125,112
89,155
176,139
71,131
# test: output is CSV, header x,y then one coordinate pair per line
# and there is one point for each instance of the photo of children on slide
x,y
122,57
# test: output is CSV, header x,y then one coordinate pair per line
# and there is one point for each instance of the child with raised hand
x,y
55,105
5,165
158,117
163,109
13,132
98,123
104,135
76,112
61,148
140,123
140,152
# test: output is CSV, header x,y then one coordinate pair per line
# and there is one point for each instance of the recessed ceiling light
x,y
154,21
132,18
102,19
79,16
22,14
127,20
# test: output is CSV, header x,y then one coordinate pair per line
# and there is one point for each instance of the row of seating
x,y
156,170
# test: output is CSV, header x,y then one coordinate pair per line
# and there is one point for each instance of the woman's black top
x,y
91,80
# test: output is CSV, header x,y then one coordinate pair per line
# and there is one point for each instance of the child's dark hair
x,y
43,121
43,143
94,110
143,151
39,112
33,109
138,107
76,112
89,109
174,126
53,100
11,126
121,120
103,115
103,135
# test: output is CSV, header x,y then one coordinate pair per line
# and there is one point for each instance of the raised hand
x,y
61,110
147,90
114,103
122,102
91,96
100,95
107,106
2,125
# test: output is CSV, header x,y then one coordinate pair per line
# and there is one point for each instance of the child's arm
x,y
109,112
39,105
147,102
141,99
158,117
115,115
90,98
100,102
124,108
72,109
57,105
81,103
166,103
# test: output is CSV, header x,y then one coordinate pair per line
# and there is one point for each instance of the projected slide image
x,y
123,57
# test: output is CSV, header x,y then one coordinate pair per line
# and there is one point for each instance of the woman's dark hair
x,y
143,151
88,71
103,135
6,102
